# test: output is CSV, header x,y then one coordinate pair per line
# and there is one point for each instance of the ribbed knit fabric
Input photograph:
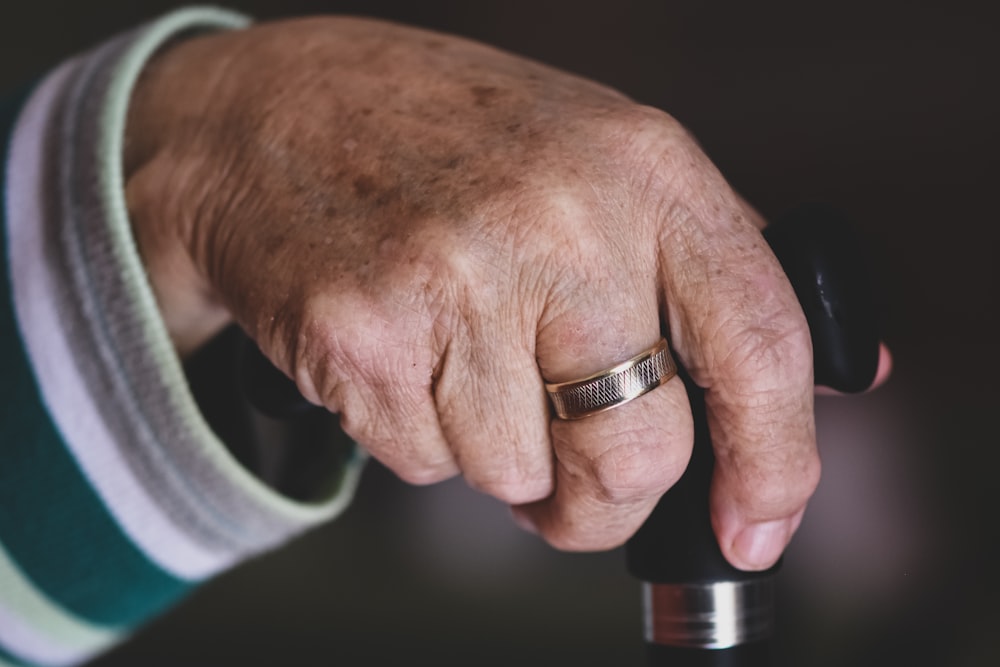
x,y
116,498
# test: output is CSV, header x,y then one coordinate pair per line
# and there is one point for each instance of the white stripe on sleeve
x,y
70,401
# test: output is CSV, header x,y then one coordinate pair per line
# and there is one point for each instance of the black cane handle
x,y
266,388
700,610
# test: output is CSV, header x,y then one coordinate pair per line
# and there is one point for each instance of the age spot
x,y
485,95
364,186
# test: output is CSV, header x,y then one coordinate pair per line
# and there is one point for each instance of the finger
x,y
884,366
612,467
881,374
491,405
885,356
381,386
739,330
751,212
611,473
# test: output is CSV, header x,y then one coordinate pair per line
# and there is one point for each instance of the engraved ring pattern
x,y
615,386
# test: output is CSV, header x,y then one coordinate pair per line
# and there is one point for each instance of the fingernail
x,y
523,521
759,545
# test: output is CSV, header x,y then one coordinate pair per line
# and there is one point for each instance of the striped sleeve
x,y
116,498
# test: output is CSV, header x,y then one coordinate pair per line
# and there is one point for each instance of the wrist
x,y
165,197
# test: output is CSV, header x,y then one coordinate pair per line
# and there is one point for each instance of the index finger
x,y
738,328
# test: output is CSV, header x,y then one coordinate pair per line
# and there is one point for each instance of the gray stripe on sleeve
x,y
150,416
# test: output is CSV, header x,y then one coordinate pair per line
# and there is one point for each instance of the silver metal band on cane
x,y
709,615
607,389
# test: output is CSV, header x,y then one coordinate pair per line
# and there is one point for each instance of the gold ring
x,y
615,386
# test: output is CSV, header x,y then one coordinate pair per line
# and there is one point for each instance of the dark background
x,y
888,109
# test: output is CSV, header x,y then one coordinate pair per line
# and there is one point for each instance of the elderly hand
x,y
422,230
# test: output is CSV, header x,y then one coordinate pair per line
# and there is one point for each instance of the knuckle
x,y
662,146
513,489
636,467
413,458
650,149
357,347
770,347
328,344
423,474
643,126
805,479
778,489
566,536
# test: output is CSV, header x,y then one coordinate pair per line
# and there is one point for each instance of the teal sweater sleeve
x,y
116,497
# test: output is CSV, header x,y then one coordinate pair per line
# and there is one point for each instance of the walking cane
x,y
700,611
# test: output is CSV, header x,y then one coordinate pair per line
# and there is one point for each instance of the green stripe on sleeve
x,y
7,660
53,525
48,620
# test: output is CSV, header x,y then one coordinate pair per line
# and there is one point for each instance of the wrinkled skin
x,y
420,230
